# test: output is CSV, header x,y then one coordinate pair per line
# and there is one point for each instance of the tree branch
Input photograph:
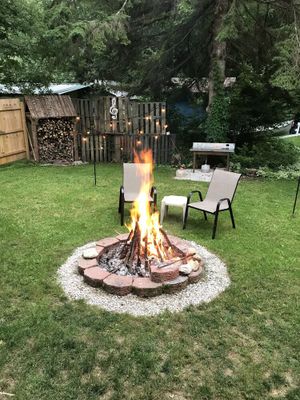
x,y
122,8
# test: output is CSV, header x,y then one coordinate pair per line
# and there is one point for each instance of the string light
x,y
101,147
157,123
77,118
166,125
138,142
129,123
84,139
104,137
88,132
156,137
163,110
141,132
121,148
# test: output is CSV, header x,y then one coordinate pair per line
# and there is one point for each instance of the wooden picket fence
x,y
112,147
132,117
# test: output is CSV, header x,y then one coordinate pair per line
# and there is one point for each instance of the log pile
x,y
55,140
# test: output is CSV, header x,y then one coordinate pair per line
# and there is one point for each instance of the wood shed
x,y
51,122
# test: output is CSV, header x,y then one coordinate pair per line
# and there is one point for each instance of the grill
x,y
212,149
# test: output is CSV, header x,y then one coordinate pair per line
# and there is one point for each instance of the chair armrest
x,y
191,194
221,201
153,191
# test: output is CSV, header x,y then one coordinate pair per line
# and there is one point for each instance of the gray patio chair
x,y
134,177
218,198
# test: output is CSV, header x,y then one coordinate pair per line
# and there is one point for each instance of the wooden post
x,y
25,130
34,123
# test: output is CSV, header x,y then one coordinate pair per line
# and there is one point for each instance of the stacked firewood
x,y
55,140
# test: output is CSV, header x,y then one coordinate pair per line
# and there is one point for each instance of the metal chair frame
x,y
215,213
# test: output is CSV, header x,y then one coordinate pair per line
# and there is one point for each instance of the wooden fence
x,y
13,133
119,147
130,117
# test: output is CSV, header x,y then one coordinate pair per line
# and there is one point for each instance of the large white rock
x,y
90,253
194,265
186,269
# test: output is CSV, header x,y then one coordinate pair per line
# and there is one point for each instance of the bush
x,y
272,153
291,172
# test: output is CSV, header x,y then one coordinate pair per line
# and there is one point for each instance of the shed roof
x,y
55,88
51,106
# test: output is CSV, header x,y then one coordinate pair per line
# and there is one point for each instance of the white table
x,y
175,201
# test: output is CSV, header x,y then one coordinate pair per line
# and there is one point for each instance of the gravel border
x,y
215,282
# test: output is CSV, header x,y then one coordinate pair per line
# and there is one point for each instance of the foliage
x,y
255,104
54,348
289,172
272,153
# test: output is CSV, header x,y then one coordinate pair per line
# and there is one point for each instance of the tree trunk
x,y
218,49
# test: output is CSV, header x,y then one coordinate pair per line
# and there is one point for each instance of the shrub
x,y
291,172
272,153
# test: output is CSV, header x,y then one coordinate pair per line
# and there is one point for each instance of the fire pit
x,y
110,267
146,261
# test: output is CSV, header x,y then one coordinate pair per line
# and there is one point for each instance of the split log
x,y
55,140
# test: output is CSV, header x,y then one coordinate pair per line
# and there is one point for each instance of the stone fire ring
x,y
212,283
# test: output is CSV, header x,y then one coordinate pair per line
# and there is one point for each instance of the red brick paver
x,y
159,275
144,287
84,264
94,276
107,242
119,285
175,285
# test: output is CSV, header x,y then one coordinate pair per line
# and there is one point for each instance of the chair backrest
x,y
223,185
135,176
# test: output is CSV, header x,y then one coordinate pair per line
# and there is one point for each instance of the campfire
x,y
147,243
146,261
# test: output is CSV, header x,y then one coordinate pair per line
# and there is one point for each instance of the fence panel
x,y
13,133
132,117
111,147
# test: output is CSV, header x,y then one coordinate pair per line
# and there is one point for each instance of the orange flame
x,y
148,222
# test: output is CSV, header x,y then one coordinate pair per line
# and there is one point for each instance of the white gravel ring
x,y
215,281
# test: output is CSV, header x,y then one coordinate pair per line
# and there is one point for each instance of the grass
x,y
295,140
243,345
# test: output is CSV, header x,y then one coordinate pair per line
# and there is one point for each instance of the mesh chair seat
x,y
131,197
209,206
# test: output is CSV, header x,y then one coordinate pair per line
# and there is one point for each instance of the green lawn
x,y
295,140
243,345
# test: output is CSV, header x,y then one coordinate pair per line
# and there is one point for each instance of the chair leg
x,y
122,211
205,216
119,210
215,224
231,215
185,217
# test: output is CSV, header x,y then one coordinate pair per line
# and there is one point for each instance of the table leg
x,y
228,162
194,162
